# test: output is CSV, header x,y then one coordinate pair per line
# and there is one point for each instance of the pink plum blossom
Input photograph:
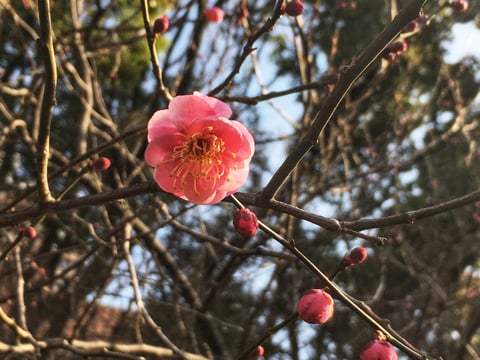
x,y
197,153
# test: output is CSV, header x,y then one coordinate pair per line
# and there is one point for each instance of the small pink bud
x,y
42,271
390,57
29,232
245,222
160,25
459,5
100,164
356,256
294,8
214,14
398,47
315,306
379,350
411,27
242,14
258,352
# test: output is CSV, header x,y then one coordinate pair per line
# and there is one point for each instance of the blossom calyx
x,y
315,306
294,8
245,222
214,14
379,350
160,25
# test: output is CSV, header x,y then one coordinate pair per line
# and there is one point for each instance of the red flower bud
x,y
459,5
255,354
315,306
245,222
294,8
398,47
29,232
160,25
100,164
411,27
214,14
379,350
356,256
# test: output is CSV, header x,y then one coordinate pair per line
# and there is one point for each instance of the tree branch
x,y
48,100
345,83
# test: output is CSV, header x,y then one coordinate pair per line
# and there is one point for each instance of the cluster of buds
x,y
347,5
245,222
315,306
379,349
394,50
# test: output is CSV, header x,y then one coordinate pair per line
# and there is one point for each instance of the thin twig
x,y
249,48
345,83
48,100
356,306
139,301
157,70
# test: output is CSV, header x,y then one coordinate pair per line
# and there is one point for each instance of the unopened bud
x,y
379,350
214,14
100,164
315,306
245,222
356,256
459,5
160,25
29,232
411,27
294,8
398,47
258,352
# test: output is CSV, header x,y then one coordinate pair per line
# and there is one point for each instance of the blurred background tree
x,y
404,138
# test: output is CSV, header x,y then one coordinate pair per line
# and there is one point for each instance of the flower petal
x,y
160,148
218,107
161,123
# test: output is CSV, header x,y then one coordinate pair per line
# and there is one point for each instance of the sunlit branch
x,y
358,307
98,348
48,101
87,155
157,70
345,83
139,300
249,48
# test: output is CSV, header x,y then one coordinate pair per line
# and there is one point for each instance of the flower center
x,y
200,155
